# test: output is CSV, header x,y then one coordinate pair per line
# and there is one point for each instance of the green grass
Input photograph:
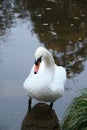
x,y
76,115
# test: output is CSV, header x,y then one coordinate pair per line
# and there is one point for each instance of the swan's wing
x,y
59,80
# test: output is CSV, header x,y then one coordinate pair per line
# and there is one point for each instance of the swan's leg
x,y
51,105
29,103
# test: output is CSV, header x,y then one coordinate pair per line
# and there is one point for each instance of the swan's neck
x,y
49,62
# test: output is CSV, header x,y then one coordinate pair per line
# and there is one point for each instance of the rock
x,y
40,117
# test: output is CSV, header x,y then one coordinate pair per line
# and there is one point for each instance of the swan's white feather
x,y
47,85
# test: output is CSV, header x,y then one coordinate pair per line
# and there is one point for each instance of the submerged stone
x,y
40,117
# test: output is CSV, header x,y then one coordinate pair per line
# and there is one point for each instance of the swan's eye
x,y
38,60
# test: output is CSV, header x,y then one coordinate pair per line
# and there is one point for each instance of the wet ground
x,y
59,26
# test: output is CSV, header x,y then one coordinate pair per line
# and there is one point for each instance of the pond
x,y
58,25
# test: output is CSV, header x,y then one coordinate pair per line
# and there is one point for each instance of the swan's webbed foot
x,y
51,105
29,104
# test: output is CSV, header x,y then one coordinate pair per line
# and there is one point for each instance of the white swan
x,y
46,80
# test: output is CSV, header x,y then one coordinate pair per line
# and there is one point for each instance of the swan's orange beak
x,y
36,68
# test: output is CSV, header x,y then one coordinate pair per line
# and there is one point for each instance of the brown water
x,y
24,25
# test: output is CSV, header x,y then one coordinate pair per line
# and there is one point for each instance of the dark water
x,y
60,26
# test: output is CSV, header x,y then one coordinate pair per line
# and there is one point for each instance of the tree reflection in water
x,y
10,10
60,25
6,18
40,118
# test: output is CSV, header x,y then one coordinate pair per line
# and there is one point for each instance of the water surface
x,y
59,26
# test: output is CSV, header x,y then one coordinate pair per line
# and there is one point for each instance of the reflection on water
x,y
40,118
60,26
10,10
58,22
6,17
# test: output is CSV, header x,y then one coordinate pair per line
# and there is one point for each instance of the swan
x,y
46,80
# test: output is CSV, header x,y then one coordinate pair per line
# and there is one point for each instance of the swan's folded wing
x,y
59,80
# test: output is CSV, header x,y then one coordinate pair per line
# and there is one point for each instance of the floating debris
x,y
80,39
51,0
45,24
35,12
48,8
58,22
82,15
70,42
71,63
72,24
53,33
76,18
39,15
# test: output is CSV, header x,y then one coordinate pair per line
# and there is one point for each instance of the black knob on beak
x,y
36,62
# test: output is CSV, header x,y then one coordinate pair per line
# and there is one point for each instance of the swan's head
x,y
39,54
43,54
